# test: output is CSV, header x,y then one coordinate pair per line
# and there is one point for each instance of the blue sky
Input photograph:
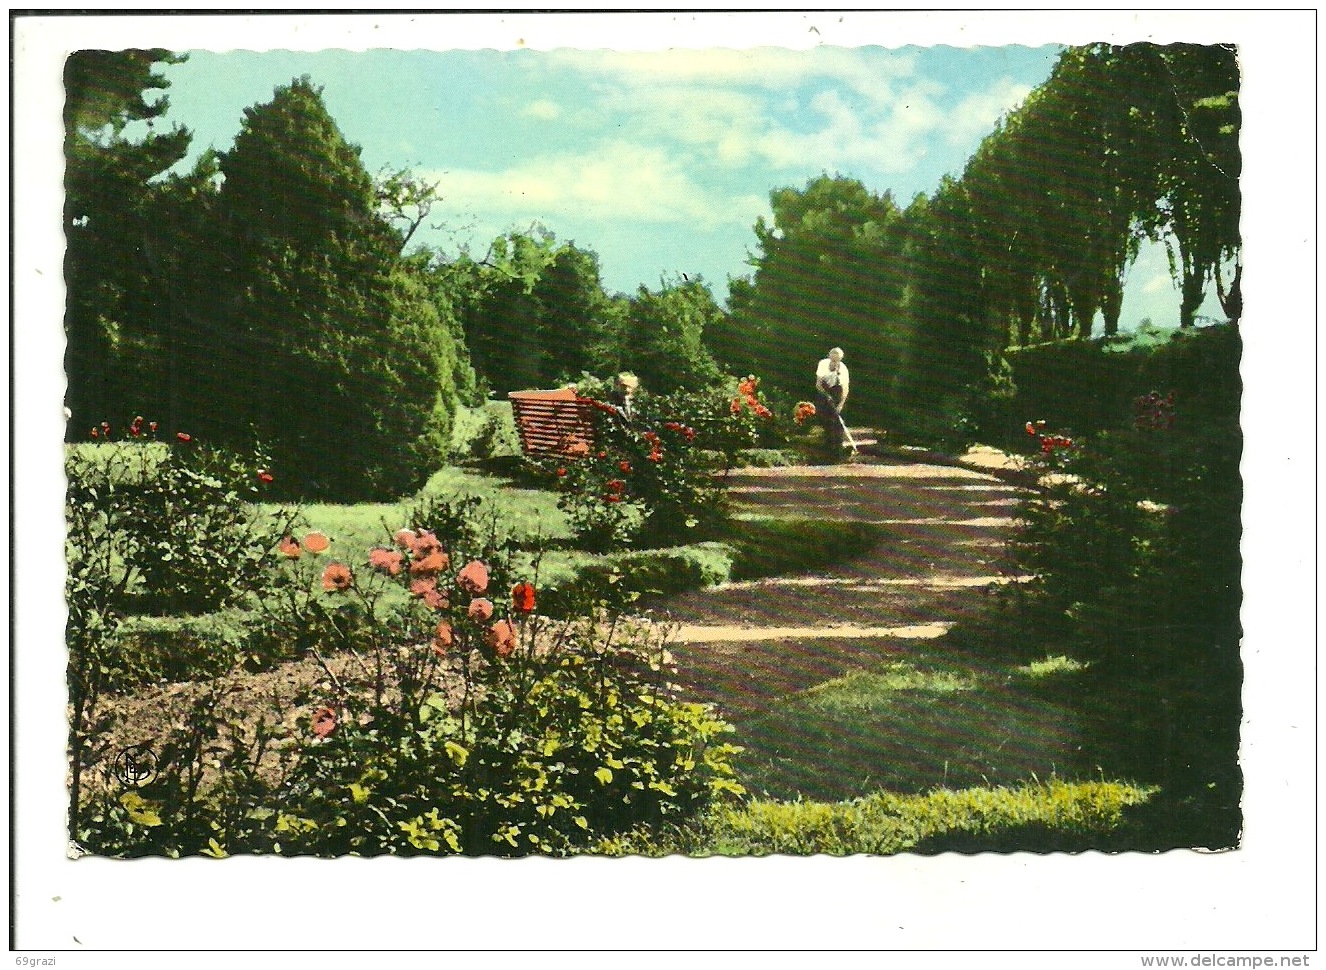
x,y
659,161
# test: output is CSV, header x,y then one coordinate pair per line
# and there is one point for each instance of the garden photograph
x,y
569,452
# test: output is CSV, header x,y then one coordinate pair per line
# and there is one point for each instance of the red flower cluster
x,y
1049,442
804,410
686,432
135,429
746,396
314,542
522,597
1153,412
501,636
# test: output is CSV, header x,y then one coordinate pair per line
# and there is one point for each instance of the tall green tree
x,y
1197,118
330,350
114,154
662,336
829,271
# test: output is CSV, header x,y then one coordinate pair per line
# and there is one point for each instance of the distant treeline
x,y
273,293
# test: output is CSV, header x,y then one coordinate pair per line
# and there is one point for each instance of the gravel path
x,y
942,530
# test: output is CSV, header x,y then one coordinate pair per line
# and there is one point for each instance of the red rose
x,y
522,597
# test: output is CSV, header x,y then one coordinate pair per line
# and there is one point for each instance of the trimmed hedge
x,y
1085,386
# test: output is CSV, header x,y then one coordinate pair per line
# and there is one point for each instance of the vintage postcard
x,y
742,450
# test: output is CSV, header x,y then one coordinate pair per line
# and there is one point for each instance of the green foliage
x,y
350,369
1138,567
652,482
474,726
1050,816
1091,386
575,747
829,272
176,648
534,311
782,546
165,529
662,337
113,220
485,433
150,528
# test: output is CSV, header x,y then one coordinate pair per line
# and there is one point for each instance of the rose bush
x,y
464,722
655,481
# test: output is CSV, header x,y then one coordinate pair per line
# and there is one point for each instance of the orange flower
x,y
442,638
186,438
265,477
426,544
405,538
625,466
481,610
426,589
430,565
324,721
289,548
316,542
473,578
337,577
736,405
501,636
387,560
522,597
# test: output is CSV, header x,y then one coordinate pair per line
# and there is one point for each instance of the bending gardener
x,y
831,387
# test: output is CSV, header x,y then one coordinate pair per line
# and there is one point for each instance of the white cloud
x,y
866,115
617,181
975,115
765,67
543,110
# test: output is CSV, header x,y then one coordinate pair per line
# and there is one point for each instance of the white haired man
x,y
832,384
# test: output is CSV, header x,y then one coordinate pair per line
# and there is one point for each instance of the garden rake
x,y
850,440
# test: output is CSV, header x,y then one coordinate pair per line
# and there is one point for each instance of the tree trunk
x,y
1194,287
1111,303
1231,300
